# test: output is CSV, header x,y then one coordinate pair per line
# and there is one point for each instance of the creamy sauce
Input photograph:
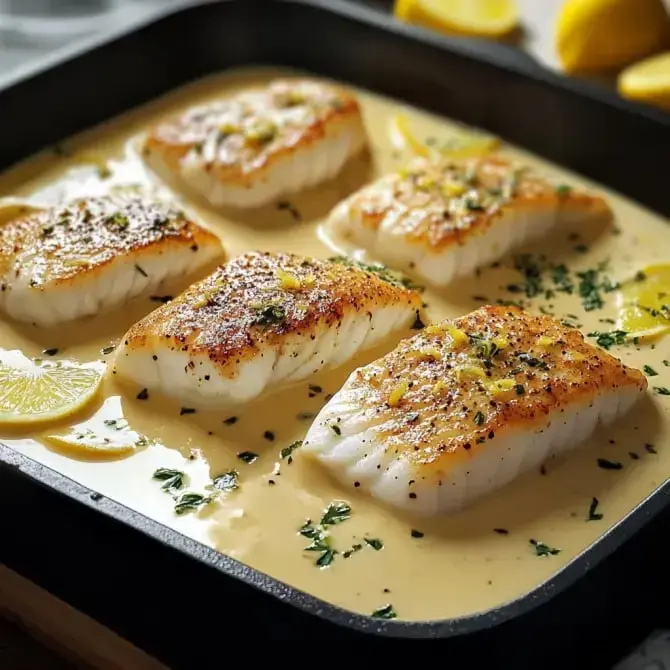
x,y
460,565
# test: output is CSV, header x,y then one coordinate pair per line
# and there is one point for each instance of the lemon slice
x,y
644,303
456,144
648,81
107,433
34,391
600,34
474,18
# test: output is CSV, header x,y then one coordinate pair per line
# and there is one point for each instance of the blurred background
x,y
621,44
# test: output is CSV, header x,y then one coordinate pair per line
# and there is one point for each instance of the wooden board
x,y
78,639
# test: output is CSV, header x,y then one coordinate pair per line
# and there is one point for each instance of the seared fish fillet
x,y
259,322
442,220
66,262
250,149
465,406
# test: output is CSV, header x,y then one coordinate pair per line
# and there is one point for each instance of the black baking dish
x,y
162,590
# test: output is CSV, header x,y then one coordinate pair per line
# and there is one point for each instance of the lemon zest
x,y
501,386
288,281
397,393
457,335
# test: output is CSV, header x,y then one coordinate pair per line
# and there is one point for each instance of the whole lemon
x,y
603,34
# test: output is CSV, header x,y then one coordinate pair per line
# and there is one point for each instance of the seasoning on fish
x,y
467,405
444,219
260,322
249,149
94,254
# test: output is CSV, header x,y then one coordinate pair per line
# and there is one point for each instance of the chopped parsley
x,y
143,395
190,501
380,270
608,339
160,298
374,542
290,208
186,410
662,390
593,514
269,435
230,420
51,352
649,371
479,418
107,350
385,612
247,456
228,481
416,533
501,531
305,416
609,465
287,452
173,480
269,315
563,190
336,429
520,390
542,549
337,512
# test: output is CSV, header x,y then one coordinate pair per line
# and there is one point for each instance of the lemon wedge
x,y
34,391
644,303
455,144
647,81
107,433
600,34
472,18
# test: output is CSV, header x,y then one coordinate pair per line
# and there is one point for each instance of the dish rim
x,y
566,575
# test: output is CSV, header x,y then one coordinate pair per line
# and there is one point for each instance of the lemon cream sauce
x,y
490,553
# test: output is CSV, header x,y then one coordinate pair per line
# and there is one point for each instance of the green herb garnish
x,y
375,543
593,515
542,549
386,612
269,315
173,480
479,418
228,481
247,456
609,339
188,502
609,465
287,452
649,371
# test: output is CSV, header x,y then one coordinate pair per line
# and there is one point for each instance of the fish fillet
x,y
264,143
443,219
260,322
94,254
465,406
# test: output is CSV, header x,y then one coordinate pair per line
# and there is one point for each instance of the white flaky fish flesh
x,y
467,405
260,322
94,254
441,220
261,144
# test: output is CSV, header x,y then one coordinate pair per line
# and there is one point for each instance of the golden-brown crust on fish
x,y
258,299
65,243
446,203
447,392
246,135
